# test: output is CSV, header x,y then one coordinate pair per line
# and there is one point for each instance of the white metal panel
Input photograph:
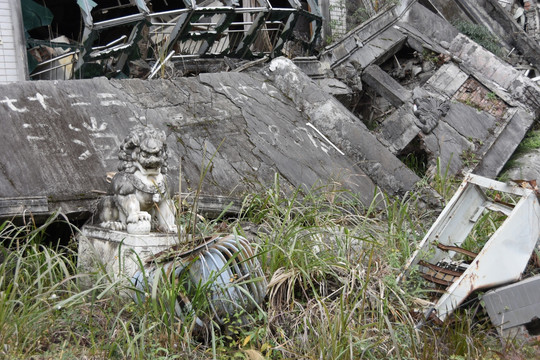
x,y
504,256
12,51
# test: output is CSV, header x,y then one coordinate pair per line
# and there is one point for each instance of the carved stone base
x,y
139,228
118,252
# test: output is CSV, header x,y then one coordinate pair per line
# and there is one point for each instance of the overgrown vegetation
x,y
479,34
530,143
331,265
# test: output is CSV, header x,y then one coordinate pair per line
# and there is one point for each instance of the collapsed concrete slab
x,y
342,128
385,85
492,15
62,137
455,104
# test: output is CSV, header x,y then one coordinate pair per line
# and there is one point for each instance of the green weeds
x,y
331,265
479,34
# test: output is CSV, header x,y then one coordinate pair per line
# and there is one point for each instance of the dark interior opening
x,y
533,327
67,21
372,108
415,157
106,36
61,231
411,68
166,5
427,4
112,9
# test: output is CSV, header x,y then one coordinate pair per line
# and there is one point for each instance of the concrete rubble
x,y
411,56
405,84
408,85
252,125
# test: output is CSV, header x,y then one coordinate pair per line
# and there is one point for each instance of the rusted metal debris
x,y
500,261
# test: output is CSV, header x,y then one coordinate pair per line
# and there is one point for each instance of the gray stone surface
x,y
446,81
449,9
313,67
337,89
505,145
379,49
356,39
399,129
527,167
342,128
385,85
460,136
340,51
469,122
428,25
118,252
62,137
483,61
445,143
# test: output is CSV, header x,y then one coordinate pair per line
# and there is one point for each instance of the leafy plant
x,y
469,157
491,96
479,34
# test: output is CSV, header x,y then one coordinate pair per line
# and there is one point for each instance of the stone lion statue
x,y
137,200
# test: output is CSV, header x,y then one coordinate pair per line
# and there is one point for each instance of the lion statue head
x,y
144,148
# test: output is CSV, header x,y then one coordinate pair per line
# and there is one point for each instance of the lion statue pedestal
x,y
137,220
118,253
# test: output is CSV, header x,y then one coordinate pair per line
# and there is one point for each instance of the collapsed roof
x,y
114,31
440,97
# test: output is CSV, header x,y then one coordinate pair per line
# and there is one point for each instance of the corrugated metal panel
x,y
12,55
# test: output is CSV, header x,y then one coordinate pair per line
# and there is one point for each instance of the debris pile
x,y
115,32
459,257
399,97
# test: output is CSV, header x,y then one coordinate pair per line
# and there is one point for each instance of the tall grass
x,y
331,265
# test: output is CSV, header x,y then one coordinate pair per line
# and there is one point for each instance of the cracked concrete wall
x,y
61,138
342,128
